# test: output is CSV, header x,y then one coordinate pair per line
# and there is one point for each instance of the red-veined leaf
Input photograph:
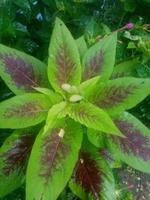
x,y
24,110
21,72
64,60
14,155
92,178
134,149
92,117
100,58
120,94
55,154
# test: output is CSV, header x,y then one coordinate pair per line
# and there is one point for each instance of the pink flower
x,y
129,25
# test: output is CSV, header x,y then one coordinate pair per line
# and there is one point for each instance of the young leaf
x,y
20,71
14,154
88,87
127,68
92,117
134,149
121,94
82,46
100,58
53,97
55,155
92,178
57,111
23,110
64,60
95,137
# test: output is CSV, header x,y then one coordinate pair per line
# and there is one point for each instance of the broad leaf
x,y
64,60
13,159
55,155
92,178
20,71
100,58
127,68
135,148
23,110
82,46
92,117
121,94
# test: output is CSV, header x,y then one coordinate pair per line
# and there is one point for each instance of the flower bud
x,y
75,98
129,25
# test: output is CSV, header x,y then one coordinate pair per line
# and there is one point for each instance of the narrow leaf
x,y
13,159
23,110
100,58
64,59
20,71
92,117
55,155
134,149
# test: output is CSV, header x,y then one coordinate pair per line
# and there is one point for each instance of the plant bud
x,y
66,87
75,98
61,133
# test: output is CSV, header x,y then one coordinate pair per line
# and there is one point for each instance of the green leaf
x,y
55,155
23,110
92,117
100,58
134,149
20,71
57,111
130,5
92,178
95,137
121,94
14,155
82,46
64,60
53,96
87,87
127,68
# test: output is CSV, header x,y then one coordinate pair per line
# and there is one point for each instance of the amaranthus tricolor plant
x,y
67,115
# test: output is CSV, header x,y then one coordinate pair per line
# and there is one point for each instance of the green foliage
x,y
73,110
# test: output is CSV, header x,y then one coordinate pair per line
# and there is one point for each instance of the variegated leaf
x,y
134,149
64,60
55,155
92,117
100,58
24,110
121,94
14,155
20,71
92,178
